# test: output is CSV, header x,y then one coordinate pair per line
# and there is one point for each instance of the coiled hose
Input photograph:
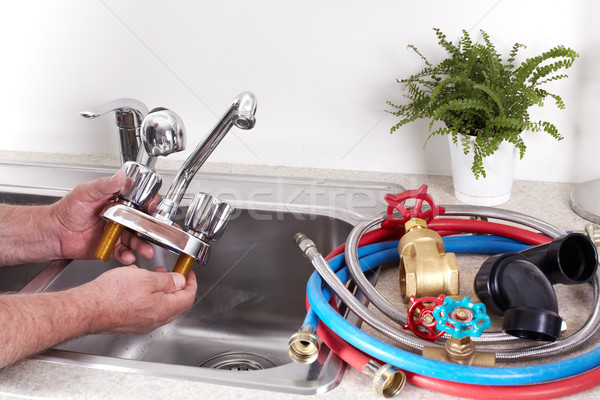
x,y
419,365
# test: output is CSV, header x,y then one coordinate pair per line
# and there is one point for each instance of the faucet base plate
x,y
155,230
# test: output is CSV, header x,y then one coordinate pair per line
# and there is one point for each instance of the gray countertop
x,y
32,378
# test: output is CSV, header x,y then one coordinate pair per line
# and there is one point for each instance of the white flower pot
x,y
492,190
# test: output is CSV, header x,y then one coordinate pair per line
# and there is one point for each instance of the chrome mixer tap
x,y
207,216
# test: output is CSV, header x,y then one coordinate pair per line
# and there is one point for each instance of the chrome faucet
x,y
129,114
240,113
207,216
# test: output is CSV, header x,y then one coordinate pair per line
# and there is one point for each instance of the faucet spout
x,y
240,113
245,105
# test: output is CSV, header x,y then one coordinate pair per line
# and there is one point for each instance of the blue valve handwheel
x,y
461,318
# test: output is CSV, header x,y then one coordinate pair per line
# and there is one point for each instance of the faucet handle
x,y
129,114
207,216
162,133
120,106
141,186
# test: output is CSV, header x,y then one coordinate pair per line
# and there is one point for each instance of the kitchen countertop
x,y
32,378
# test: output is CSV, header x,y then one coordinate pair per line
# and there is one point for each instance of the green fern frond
x,y
490,49
552,78
491,92
413,48
512,56
477,167
551,130
520,144
465,42
453,50
560,104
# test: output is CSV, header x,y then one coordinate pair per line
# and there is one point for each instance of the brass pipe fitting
x,y
184,264
426,270
388,381
460,351
108,241
304,346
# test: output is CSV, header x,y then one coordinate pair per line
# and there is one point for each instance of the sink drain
x,y
237,362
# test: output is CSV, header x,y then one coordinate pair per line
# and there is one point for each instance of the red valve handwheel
x,y
420,195
420,313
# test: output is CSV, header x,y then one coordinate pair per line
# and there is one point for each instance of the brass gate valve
x,y
426,270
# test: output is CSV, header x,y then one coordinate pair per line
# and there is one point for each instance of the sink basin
x,y
251,292
13,278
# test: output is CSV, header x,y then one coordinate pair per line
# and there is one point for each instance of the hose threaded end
x,y
304,346
388,381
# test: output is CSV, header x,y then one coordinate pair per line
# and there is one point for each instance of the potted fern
x,y
483,105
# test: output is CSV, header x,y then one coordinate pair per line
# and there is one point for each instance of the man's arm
x,y
68,229
23,235
126,299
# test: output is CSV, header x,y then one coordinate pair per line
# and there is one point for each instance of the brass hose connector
x,y
304,346
108,241
388,381
184,264
426,270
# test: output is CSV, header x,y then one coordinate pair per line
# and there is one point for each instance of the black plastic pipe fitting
x,y
519,285
571,259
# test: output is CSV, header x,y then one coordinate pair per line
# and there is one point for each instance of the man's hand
x,y
133,300
77,226
124,299
68,229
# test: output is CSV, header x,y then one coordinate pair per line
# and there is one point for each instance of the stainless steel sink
x,y
251,292
13,278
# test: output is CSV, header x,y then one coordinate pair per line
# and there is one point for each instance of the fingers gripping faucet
x,y
161,132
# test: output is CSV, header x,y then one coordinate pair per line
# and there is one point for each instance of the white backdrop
x,y
322,72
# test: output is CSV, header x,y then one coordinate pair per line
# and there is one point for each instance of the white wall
x,y
322,72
